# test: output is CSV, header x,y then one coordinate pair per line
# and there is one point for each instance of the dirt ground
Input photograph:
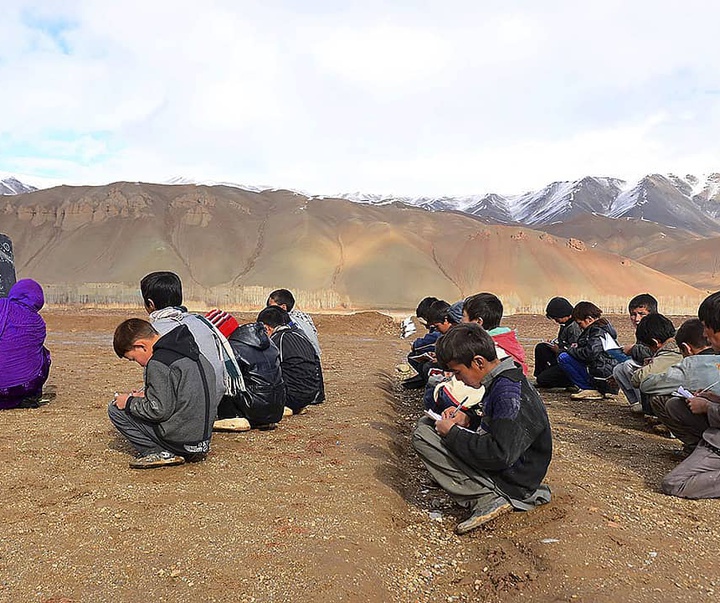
x,y
333,505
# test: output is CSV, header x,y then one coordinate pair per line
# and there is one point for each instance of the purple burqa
x,y
24,362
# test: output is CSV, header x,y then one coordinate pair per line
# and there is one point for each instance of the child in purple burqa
x,y
24,359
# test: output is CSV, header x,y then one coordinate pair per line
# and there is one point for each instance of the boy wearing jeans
x,y
171,420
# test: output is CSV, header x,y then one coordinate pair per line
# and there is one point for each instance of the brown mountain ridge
x,y
231,246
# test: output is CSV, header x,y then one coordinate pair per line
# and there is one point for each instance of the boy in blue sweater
x,y
493,459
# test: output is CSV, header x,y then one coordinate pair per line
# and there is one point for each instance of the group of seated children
x,y
208,373
491,445
668,374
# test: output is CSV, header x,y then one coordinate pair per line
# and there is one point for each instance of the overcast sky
x,y
405,97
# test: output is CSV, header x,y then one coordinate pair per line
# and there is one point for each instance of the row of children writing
x,y
465,463
208,373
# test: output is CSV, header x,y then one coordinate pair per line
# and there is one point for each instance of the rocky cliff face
x,y
222,240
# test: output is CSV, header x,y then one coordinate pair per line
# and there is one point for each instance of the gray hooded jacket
x,y
181,398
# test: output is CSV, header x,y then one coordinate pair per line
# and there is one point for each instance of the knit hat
x,y
224,322
558,307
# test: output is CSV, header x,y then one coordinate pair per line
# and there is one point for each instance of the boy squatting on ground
x,y
300,364
639,306
698,476
548,372
162,296
590,362
441,317
697,370
493,461
171,421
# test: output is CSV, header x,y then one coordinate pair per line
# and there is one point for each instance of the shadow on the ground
x,y
402,470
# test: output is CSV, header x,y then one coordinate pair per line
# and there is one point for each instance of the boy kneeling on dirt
x,y
494,460
171,420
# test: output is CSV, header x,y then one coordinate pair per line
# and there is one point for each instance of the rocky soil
x,y
333,505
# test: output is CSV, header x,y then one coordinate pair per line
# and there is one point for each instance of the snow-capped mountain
x,y
690,202
12,186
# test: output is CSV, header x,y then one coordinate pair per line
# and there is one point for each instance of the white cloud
x,y
412,97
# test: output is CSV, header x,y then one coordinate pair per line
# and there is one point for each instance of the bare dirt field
x,y
332,505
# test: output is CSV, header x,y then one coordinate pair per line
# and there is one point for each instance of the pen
x,y
709,386
460,406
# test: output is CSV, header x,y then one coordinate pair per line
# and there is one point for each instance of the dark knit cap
x,y
558,307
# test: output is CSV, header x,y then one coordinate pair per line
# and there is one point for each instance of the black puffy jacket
x,y
259,362
590,350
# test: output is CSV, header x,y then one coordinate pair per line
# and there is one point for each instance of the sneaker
x,y
609,396
497,507
587,394
234,424
287,412
636,408
572,389
156,459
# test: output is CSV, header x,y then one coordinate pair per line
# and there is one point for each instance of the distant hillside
x,y
696,263
231,246
630,237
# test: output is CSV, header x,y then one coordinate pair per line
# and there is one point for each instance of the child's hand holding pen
x,y
452,416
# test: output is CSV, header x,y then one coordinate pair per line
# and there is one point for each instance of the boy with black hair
x,y
697,370
286,300
493,461
424,345
548,373
639,306
590,362
486,310
162,297
440,317
170,421
300,364
657,332
698,476
423,309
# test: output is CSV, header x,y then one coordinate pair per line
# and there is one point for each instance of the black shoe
x,y
33,402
